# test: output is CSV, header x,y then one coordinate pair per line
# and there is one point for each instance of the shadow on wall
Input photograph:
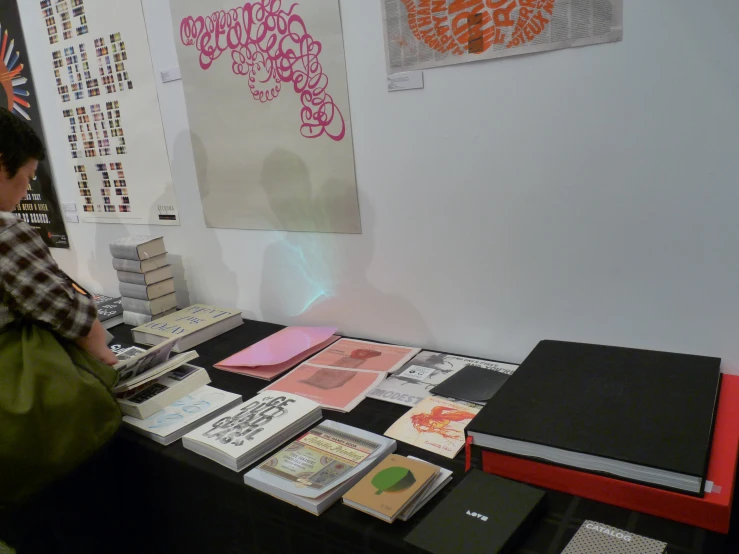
x,y
100,263
290,193
200,271
321,278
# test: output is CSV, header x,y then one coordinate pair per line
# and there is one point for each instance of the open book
x,y
139,366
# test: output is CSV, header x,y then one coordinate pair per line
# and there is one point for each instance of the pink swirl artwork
x,y
271,46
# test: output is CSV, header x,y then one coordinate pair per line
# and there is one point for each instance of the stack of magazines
x,y
314,471
253,429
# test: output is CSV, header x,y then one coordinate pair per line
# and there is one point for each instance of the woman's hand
x,y
95,345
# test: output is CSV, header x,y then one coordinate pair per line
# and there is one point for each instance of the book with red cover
x,y
712,511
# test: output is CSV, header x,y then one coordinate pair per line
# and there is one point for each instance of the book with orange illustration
x,y
435,424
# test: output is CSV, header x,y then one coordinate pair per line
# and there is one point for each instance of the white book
x,y
140,266
147,292
135,319
156,306
137,247
148,278
250,431
193,325
315,470
440,481
149,398
170,424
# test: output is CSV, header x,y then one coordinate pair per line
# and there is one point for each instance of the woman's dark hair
x,y
18,143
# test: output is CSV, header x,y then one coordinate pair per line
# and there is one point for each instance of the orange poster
x,y
421,34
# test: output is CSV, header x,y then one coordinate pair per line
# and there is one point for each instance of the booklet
x,y
435,424
313,471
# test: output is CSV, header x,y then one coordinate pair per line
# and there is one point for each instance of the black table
x,y
170,500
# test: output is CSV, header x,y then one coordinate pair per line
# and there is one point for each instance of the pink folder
x,y
279,352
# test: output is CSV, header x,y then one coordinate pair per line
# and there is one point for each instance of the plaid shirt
x,y
32,287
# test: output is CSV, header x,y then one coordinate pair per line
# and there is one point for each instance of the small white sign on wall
x,y
169,75
405,81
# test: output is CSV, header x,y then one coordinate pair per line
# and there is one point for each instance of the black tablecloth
x,y
149,498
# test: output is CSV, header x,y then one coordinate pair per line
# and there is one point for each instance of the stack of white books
x,y
150,380
162,396
250,431
146,282
315,470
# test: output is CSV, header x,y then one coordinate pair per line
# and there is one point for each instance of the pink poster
x,y
268,110
334,389
359,354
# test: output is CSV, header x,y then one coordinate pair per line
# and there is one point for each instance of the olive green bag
x,y
56,409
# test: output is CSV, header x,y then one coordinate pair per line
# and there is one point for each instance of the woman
x,y
32,287
36,294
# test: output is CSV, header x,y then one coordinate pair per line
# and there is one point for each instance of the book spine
x,y
135,319
125,251
132,278
133,266
136,305
139,292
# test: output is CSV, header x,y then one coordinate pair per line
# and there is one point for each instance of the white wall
x,y
587,194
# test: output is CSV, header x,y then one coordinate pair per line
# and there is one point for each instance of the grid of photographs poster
x,y
95,134
108,105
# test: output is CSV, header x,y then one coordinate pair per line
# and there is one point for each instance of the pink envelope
x,y
279,352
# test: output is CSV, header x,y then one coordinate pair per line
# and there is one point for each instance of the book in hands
x,y
365,355
313,471
435,424
153,396
414,381
183,415
137,248
251,430
192,326
394,484
139,366
333,388
597,537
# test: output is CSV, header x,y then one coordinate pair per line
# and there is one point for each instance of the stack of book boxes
x,y
145,277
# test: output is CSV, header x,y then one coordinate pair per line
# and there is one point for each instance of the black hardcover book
x,y
484,514
471,383
638,415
